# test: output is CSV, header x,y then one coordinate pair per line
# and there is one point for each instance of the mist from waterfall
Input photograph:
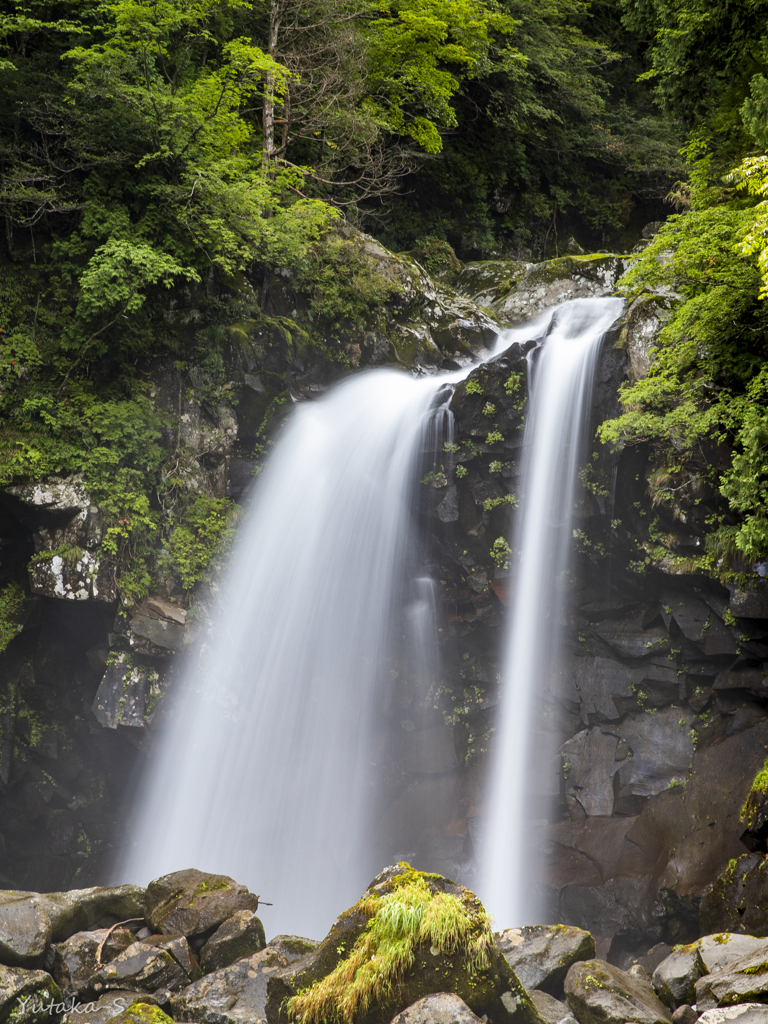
x,y
561,373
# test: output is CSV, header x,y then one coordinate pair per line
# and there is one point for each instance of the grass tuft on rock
x,y
412,914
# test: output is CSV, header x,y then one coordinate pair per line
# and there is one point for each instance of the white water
x,y
264,772
560,398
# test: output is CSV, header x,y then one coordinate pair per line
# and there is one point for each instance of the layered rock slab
x,y
540,955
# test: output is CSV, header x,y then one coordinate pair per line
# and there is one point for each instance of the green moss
x,y
11,603
757,790
143,1013
473,387
411,914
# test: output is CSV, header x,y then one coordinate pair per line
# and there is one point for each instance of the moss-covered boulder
x,y
737,901
599,993
28,997
742,981
411,934
675,978
192,902
548,284
142,1013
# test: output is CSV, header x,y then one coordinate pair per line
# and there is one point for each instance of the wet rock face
x,y
193,902
239,936
540,955
438,1008
598,993
231,995
548,284
27,996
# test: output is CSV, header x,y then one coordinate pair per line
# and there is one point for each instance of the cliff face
x,y
660,718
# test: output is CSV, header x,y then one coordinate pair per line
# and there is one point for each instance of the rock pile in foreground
x,y
416,949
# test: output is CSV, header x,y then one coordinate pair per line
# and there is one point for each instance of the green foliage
x,y
420,51
206,530
413,913
706,386
501,552
11,603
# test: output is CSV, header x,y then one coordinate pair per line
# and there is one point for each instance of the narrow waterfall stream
x,y
264,772
561,375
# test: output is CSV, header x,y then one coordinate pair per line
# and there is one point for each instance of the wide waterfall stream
x,y
263,772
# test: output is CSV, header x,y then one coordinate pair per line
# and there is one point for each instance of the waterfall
x,y
264,771
561,372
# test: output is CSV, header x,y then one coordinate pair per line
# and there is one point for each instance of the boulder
x,y
141,968
81,909
25,929
240,936
143,1013
724,948
599,993
551,1010
737,900
178,947
105,1008
232,995
354,961
540,955
675,978
74,960
548,284
685,1014
293,947
437,1008
742,981
193,902
746,1013
28,997
644,320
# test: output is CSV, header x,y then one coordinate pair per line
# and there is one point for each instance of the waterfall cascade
x,y
264,771
561,375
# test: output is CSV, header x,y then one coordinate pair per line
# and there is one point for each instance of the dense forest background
x,y
162,162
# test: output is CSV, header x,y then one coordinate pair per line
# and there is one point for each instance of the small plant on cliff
x,y
500,552
413,913
755,796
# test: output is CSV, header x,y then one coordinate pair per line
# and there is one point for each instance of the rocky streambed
x,y
417,948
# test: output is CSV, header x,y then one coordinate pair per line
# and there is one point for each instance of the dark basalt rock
x,y
106,1007
737,901
599,993
675,978
742,981
74,960
540,955
28,997
141,968
240,936
232,995
293,947
178,947
437,1008
193,902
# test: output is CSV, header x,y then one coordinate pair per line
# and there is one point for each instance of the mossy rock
x,y
559,280
737,901
411,934
192,902
485,281
142,1013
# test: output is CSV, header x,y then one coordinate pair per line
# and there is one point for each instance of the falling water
x,y
560,393
264,773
